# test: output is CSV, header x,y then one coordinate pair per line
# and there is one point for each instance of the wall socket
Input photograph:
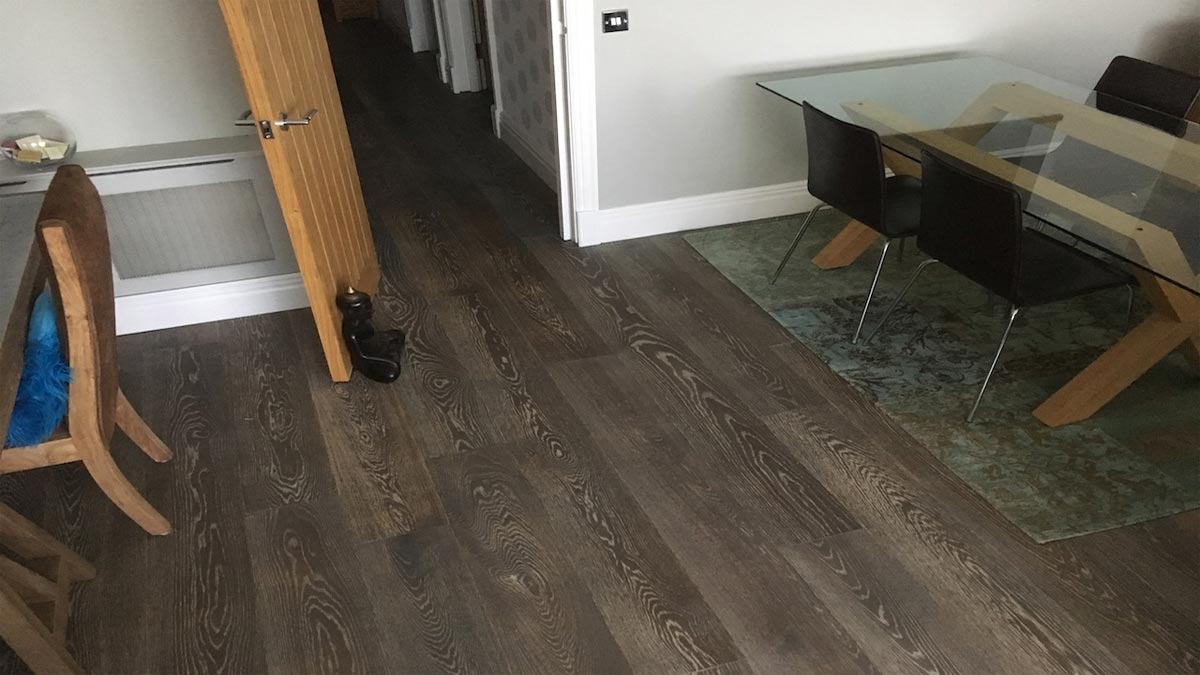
x,y
615,21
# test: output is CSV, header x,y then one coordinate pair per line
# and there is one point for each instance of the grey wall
x,y
412,20
122,72
679,115
525,78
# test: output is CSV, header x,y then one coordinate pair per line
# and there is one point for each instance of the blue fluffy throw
x,y
42,393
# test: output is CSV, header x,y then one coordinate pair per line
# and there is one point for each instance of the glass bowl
x,y
35,139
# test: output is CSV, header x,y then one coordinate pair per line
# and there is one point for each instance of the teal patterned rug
x,y
1136,460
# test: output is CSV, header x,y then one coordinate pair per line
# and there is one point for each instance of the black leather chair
x,y
975,227
1161,96
846,172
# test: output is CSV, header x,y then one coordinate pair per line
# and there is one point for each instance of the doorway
x,y
514,51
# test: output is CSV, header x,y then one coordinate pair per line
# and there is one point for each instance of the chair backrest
x,y
845,166
74,236
971,224
1166,91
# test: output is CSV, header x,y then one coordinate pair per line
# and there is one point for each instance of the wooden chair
x,y
74,237
34,594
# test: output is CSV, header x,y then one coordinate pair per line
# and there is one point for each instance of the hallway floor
x,y
597,460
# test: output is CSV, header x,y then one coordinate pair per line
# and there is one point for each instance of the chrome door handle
x,y
283,122
245,120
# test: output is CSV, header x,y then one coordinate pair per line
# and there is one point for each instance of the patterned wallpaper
x,y
522,30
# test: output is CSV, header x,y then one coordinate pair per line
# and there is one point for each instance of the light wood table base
x,y
853,240
1174,324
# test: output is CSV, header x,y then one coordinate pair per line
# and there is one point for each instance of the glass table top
x,y
1123,178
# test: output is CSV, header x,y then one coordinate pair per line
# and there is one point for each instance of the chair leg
x,y
795,242
99,462
871,293
137,430
896,302
1012,316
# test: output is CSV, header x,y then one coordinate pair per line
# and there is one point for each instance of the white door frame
x,y
573,57
422,24
458,60
574,24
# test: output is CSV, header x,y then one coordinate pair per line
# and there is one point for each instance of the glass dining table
x,y
1122,179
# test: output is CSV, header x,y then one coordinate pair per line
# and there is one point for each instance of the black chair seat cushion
x,y
1052,270
901,206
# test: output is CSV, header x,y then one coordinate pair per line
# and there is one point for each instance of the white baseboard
x,y
546,169
215,302
693,213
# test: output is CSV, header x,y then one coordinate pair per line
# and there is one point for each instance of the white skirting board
x,y
546,169
214,302
693,213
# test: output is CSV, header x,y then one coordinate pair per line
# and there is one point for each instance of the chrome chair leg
x,y
871,293
896,302
795,242
1012,316
1128,306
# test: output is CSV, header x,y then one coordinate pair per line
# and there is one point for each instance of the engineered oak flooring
x,y
597,460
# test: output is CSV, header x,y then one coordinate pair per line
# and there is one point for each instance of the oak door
x,y
284,60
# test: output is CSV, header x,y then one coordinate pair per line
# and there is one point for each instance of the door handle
x,y
245,120
283,122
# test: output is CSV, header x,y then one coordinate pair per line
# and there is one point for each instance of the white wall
x,y
679,114
122,72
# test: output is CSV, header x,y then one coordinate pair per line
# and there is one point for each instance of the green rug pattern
x,y
1136,460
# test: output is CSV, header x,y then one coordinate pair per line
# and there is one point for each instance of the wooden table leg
x,y
1174,324
846,246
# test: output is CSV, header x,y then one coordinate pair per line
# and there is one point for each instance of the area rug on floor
x,y
1138,459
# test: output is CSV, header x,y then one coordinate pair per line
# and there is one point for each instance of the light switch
x,y
614,21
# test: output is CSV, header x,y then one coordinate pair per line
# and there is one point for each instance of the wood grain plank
x,y
730,337
486,337
427,605
543,312
206,594
1104,598
755,465
377,464
1026,628
282,458
548,619
710,409
314,612
772,614
713,522
658,616
471,413
897,619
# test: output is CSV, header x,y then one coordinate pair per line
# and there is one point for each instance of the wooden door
x,y
284,59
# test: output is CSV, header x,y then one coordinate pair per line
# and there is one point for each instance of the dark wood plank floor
x,y
597,460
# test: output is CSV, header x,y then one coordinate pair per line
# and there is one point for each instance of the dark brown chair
x,y
74,236
975,226
846,171
1147,92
